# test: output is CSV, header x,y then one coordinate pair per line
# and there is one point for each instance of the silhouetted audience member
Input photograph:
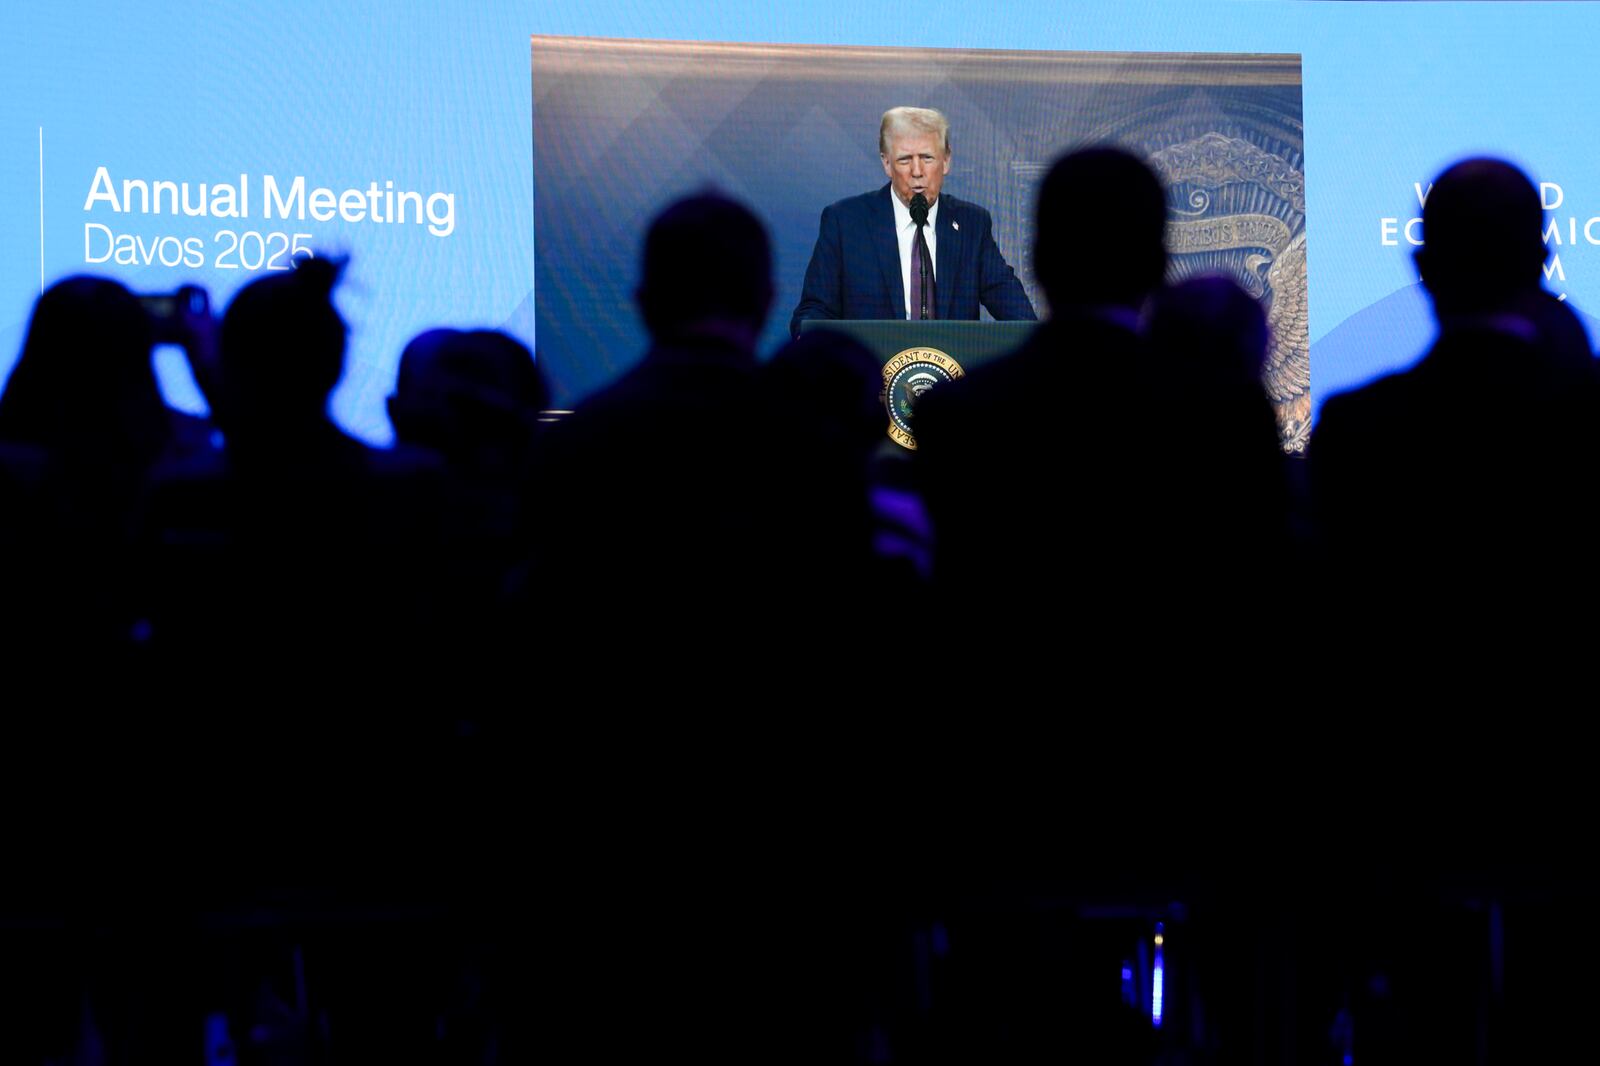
x,y
669,582
655,492
1230,530
1209,334
848,538
82,422
474,398
1456,491
1039,467
299,545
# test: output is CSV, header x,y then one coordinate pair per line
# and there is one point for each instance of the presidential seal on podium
x,y
905,378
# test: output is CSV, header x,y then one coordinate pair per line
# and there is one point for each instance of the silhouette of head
x,y
707,273
460,392
84,373
282,346
1483,228
1101,230
1211,328
830,382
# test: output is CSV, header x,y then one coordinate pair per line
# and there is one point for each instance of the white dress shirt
x,y
906,231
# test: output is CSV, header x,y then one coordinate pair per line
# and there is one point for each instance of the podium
x,y
919,355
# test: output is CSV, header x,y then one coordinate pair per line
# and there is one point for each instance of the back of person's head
x,y
282,345
829,382
707,272
459,392
1483,228
85,372
1208,327
1100,237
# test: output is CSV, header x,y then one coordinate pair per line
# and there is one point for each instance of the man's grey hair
x,y
898,121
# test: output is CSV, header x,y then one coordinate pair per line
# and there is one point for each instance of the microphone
x,y
919,215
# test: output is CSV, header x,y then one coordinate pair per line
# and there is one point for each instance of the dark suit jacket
x,y
1465,475
1035,462
855,266
646,489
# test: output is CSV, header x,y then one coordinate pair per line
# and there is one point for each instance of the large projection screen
x,y
622,126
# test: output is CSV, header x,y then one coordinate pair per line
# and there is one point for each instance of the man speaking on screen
x,y
906,250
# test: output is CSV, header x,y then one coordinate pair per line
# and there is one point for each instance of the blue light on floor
x,y
1158,979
